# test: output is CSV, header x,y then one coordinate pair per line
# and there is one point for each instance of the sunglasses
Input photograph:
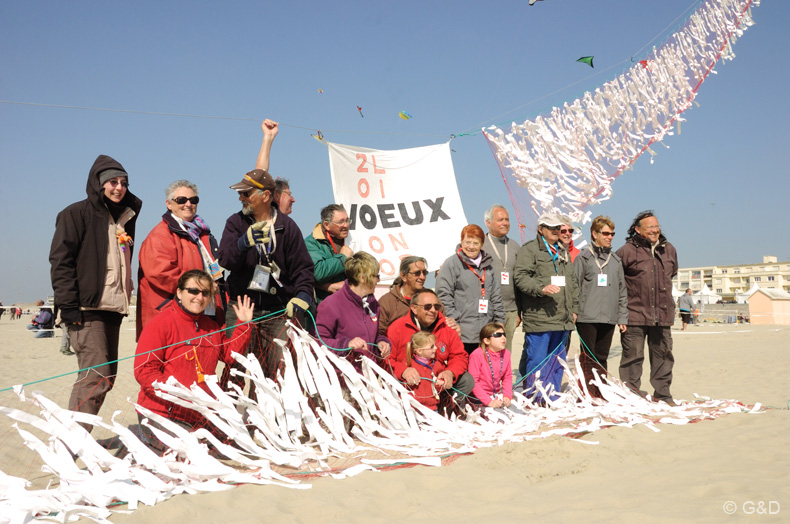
x,y
553,228
428,307
606,233
498,334
114,183
195,291
183,200
423,272
245,194
566,230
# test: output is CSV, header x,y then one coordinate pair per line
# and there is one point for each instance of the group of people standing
x,y
452,341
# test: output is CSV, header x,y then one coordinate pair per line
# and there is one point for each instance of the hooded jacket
x,y
649,271
534,268
78,255
460,291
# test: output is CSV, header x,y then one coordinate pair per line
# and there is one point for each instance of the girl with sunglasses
x,y
184,343
490,366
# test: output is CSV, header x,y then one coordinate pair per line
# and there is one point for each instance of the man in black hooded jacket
x,y
91,258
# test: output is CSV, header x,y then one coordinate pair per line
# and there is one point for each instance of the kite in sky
x,y
567,160
404,115
360,112
586,60
319,136
320,90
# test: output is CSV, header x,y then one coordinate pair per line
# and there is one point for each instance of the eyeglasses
x,y
498,334
428,307
113,183
245,194
423,272
183,200
195,291
553,228
566,231
344,222
650,228
606,233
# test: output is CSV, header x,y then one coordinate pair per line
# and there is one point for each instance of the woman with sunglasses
x,y
603,299
180,242
490,366
184,343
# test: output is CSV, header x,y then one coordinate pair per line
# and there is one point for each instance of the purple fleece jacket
x,y
341,317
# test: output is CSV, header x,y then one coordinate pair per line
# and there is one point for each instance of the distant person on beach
x,y
43,323
650,263
2,310
603,300
91,271
548,298
181,241
184,343
686,307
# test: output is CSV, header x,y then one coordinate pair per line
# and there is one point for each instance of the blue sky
x,y
720,189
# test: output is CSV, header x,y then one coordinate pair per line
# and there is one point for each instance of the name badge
x,y
504,278
602,280
558,280
482,306
215,270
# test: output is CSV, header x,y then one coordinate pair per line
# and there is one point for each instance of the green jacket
x,y
533,271
329,267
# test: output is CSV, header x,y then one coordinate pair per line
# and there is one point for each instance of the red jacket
x,y
166,254
423,391
169,347
449,348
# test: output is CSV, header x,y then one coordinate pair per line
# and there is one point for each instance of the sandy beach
x,y
700,472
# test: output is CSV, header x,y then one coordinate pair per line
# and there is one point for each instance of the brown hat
x,y
255,179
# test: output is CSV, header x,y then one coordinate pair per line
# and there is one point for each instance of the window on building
x,y
771,278
756,279
724,271
718,290
736,271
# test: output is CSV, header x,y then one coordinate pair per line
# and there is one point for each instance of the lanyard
x,y
329,237
595,259
198,368
271,247
482,279
498,387
433,377
555,255
493,246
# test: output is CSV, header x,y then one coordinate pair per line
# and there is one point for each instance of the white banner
x,y
400,203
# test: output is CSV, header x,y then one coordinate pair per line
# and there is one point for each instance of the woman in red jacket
x,y
180,242
182,342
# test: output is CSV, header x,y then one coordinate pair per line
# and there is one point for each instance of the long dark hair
x,y
644,214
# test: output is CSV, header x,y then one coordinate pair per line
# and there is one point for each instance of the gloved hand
x,y
295,305
258,233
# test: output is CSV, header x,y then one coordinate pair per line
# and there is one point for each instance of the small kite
x,y
319,136
321,91
532,2
360,112
404,115
586,60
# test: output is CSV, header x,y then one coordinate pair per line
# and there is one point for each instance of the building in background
x,y
729,281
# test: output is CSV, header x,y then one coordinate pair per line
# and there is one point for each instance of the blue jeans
x,y
544,351
40,332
